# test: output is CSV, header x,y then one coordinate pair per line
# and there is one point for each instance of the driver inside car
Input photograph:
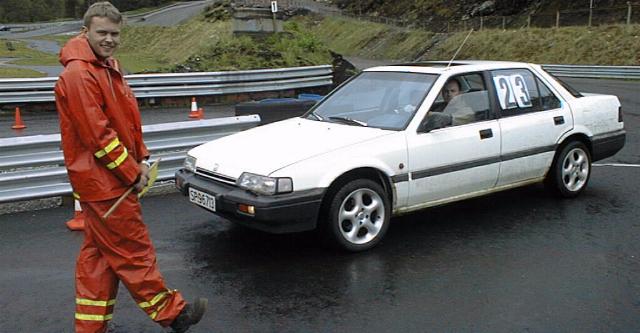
x,y
454,104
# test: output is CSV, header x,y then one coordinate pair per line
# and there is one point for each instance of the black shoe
x,y
190,315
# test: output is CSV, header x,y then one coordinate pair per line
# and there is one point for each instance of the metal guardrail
x,y
33,167
597,72
183,84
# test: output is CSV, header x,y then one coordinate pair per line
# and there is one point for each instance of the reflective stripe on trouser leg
x,y
124,241
96,287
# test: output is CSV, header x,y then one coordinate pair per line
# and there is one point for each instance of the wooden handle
x,y
125,194
115,205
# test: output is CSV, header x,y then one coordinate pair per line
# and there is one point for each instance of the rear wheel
x,y
571,170
358,215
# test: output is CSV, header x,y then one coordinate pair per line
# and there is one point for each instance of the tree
x,y
70,8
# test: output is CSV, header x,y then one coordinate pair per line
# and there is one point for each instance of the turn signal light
x,y
247,209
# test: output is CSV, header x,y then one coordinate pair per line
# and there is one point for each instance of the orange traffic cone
x,y
200,113
77,222
194,109
18,124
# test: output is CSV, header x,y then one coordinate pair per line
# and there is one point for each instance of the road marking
x,y
618,165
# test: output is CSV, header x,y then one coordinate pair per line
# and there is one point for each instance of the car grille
x,y
215,176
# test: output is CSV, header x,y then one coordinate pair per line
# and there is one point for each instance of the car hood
x,y
265,149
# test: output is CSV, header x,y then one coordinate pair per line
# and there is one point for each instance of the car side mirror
x,y
435,120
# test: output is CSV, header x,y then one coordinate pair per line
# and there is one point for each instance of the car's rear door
x,y
532,119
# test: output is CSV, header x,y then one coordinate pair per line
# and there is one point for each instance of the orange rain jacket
x,y
99,122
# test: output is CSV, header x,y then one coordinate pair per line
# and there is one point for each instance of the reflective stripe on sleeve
x,y
84,301
153,301
91,317
106,150
118,161
76,196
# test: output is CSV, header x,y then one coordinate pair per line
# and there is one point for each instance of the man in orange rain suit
x,y
105,155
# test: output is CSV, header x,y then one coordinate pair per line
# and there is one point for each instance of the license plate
x,y
202,199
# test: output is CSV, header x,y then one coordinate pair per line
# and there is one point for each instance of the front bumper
x,y
282,213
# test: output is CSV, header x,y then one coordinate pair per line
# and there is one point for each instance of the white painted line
x,y
618,165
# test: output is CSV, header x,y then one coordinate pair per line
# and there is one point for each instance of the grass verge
x,y
24,55
10,72
603,45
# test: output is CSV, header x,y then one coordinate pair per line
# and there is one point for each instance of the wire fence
x,y
629,14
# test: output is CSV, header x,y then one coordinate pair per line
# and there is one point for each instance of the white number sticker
x,y
512,91
520,90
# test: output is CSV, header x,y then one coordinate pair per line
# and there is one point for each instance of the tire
x,y
358,215
570,171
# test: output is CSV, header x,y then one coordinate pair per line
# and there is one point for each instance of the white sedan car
x,y
400,138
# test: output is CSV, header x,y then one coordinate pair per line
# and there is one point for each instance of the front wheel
x,y
571,170
358,215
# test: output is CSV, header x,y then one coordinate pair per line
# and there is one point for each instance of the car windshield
x,y
385,100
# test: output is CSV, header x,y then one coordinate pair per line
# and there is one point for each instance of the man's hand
x,y
144,177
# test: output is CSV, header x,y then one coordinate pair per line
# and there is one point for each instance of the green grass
x,y
147,9
25,55
60,39
211,46
7,72
603,45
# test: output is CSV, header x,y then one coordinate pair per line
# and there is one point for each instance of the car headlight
x,y
264,185
190,163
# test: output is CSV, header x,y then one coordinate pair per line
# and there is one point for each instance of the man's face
x,y
450,90
103,35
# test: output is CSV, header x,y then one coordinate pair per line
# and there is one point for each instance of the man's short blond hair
x,y
102,9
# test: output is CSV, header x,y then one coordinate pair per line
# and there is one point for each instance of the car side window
x,y
520,92
464,99
548,101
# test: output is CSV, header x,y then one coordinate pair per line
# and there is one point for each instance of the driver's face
x,y
450,90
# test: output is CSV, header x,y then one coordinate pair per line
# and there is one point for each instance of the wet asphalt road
x,y
516,261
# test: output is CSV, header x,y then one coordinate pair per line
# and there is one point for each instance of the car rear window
x,y
569,88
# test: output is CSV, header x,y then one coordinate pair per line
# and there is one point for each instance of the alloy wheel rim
x,y
361,216
575,170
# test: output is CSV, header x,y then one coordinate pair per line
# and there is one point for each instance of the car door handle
x,y
559,120
486,133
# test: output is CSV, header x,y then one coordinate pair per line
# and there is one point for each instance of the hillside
x,y
22,11
200,45
442,10
604,45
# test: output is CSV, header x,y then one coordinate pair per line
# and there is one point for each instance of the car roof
x,y
440,67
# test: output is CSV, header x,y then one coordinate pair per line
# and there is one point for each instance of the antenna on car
x,y
460,48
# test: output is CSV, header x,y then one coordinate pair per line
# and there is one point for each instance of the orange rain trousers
x,y
119,249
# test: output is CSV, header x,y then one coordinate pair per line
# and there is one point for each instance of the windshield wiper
x,y
349,121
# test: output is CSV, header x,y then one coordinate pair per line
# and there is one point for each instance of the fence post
x,y
590,12
528,21
504,23
481,22
557,18
628,12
